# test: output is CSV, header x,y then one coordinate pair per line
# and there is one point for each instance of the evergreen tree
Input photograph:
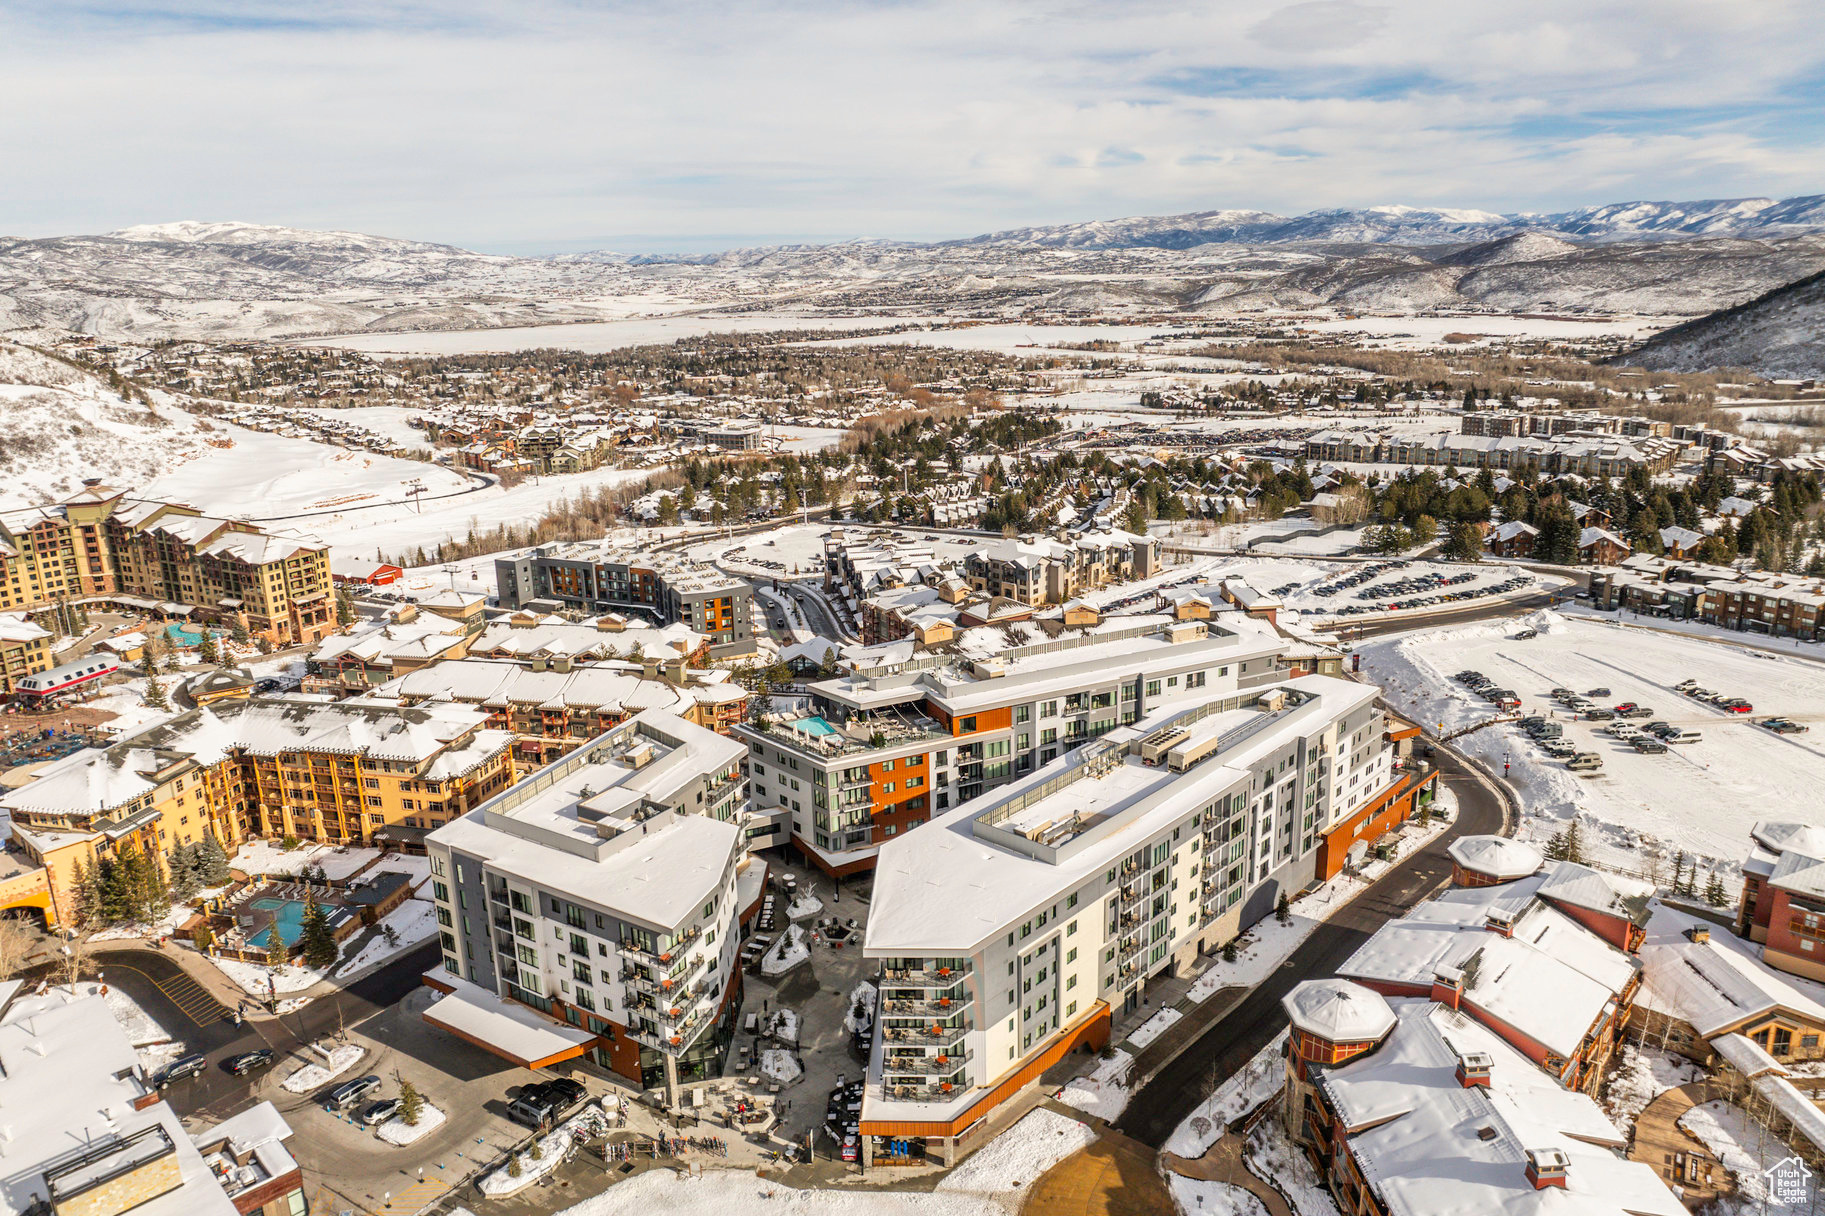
x,y
320,949
155,694
181,865
411,1105
1679,872
1715,894
239,633
1465,544
1283,910
206,648
345,608
212,862
1555,847
1574,842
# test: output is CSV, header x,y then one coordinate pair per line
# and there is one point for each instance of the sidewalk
x,y
1224,1163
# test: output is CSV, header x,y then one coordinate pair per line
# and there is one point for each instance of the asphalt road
x,y
190,1013
1203,1052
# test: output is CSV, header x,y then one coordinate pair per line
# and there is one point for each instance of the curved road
x,y
165,990
1218,1038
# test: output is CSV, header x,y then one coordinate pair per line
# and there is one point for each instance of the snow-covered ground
x,y
1153,1027
777,1065
412,922
1700,797
1241,1092
266,857
993,1182
1195,1197
788,952
592,337
331,1065
1745,1148
1642,1074
1271,1155
398,1131
261,980
1104,1091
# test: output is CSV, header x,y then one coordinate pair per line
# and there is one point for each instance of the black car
x,y
563,1092
248,1061
178,1069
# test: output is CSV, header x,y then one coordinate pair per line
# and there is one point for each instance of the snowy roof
x,y
1795,871
507,1027
1717,985
1127,804
20,629
72,1080
1429,1146
1777,837
1338,1011
1745,1055
1496,856
1547,976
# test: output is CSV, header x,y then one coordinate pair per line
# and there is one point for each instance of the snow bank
x,y
260,980
1154,1026
1241,1092
553,1148
861,996
777,1064
1195,1197
1104,1090
336,1061
804,907
791,950
398,1131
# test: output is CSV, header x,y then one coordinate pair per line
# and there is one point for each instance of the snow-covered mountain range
x,y
232,280
1778,334
1737,217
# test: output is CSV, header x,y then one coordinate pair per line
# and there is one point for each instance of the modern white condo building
x,y
1009,930
592,909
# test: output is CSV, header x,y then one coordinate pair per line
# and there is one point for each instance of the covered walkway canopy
x,y
507,1028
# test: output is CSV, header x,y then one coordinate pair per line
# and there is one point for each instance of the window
x,y
966,725
1022,713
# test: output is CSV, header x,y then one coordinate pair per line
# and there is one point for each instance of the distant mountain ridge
x,y
228,280
1739,217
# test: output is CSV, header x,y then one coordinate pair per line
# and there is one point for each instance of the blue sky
x,y
646,126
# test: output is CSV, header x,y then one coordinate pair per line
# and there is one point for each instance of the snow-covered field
x,y
993,1182
1412,332
266,857
592,337
1701,797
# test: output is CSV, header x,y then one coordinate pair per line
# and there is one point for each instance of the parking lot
x,y
1699,795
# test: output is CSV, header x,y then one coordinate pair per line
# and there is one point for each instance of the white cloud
x,y
454,122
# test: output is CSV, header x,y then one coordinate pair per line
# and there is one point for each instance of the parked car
x,y
1738,707
1683,736
1558,748
1642,743
378,1112
348,1093
1527,635
183,1066
1531,721
564,1091
1624,706
1599,714
248,1061
1598,692
1785,726
1623,730
1585,762
1661,729
1560,694
1685,685
533,1111
1635,711
1549,730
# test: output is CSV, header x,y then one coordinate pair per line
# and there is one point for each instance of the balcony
x,y
935,1007
942,1091
934,977
925,1065
927,1034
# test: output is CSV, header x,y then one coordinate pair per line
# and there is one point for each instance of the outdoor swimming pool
x,y
288,919
181,636
816,727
